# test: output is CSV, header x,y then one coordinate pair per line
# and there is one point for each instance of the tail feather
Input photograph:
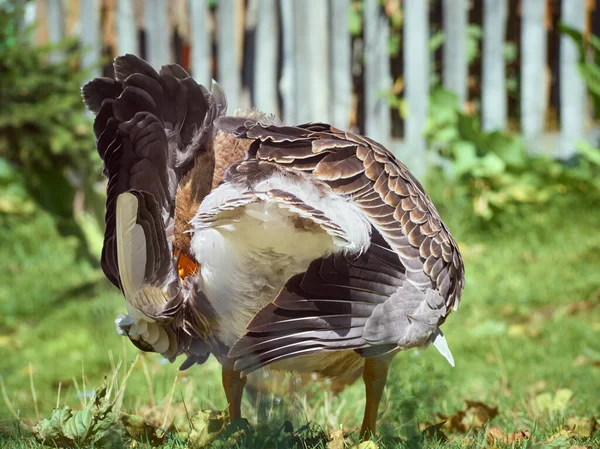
x,y
150,129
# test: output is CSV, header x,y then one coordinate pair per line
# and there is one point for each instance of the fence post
x,y
199,31
341,64
378,78
29,14
416,76
287,81
228,69
266,59
494,73
90,37
572,87
127,41
312,60
56,28
158,36
533,72
455,71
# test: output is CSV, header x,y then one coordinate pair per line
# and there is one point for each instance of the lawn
x,y
526,341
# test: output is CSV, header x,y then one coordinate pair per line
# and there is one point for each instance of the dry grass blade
x,y
7,400
83,384
33,395
58,395
164,424
118,400
148,382
78,390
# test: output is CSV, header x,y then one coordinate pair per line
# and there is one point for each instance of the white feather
x,y
441,345
131,245
340,210
248,257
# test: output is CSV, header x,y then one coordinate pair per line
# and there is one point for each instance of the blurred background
x,y
493,104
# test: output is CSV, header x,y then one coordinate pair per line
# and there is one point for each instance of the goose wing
x,y
393,296
150,129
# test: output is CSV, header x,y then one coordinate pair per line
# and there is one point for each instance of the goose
x,y
300,248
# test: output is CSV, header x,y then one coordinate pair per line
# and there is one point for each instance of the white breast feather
x,y
247,260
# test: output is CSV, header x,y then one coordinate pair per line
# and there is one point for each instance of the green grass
x,y
528,327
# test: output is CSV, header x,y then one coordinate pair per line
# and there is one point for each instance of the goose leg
x,y
233,384
375,377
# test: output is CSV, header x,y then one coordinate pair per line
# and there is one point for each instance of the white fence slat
x,y
266,59
494,101
56,27
416,76
158,34
341,64
126,28
455,69
200,35
90,37
378,78
287,80
302,63
533,72
29,14
228,70
312,60
319,74
572,87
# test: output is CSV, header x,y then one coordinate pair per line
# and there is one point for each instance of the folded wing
x,y
343,302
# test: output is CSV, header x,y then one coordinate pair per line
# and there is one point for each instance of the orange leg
x,y
233,384
375,377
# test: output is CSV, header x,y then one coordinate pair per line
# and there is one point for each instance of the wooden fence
x,y
298,59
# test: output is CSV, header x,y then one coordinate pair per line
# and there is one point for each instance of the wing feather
x,y
150,127
414,272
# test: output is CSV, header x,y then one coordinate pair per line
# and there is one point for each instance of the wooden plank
x,y
56,27
41,34
341,64
89,37
200,42
533,72
494,102
29,16
158,34
416,76
228,69
287,81
378,78
127,41
266,58
455,68
302,66
312,60
109,37
572,88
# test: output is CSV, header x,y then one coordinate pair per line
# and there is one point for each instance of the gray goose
x,y
303,248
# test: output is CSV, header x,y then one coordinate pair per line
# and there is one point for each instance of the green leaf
x,y
465,158
511,51
470,129
489,165
355,22
575,35
509,148
589,152
94,424
590,73
474,35
436,41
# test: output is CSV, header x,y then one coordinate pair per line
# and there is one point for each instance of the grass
x,y
526,340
